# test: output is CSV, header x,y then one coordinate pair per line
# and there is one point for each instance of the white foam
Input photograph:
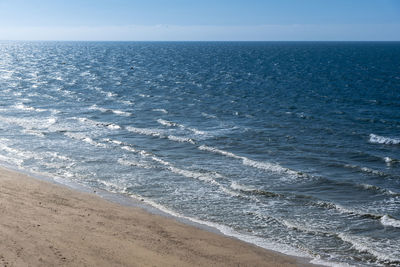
x,y
368,170
117,142
365,244
196,131
130,149
144,95
205,177
134,164
145,131
390,221
174,124
377,139
228,231
181,139
87,121
388,160
113,187
271,167
120,112
95,107
161,110
34,132
159,134
208,115
237,186
104,110
21,106
113,127
165,163
84,138
168,123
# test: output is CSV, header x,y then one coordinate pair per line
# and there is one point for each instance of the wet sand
x,y
46,224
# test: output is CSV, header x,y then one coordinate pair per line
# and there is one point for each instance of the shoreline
x,y
45,222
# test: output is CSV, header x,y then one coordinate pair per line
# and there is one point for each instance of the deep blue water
x,y
293,146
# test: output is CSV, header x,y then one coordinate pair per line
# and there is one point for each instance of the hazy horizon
x,y
178,20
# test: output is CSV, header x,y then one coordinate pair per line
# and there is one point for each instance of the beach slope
x,y
45,224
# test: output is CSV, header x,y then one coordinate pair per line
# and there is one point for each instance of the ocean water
x,y
293,146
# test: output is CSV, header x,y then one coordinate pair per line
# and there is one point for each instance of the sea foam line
x,y
271,167
365,245
228,231
159,134
385,220
186,173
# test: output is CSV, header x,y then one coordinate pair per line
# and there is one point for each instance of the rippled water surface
x,y
291,146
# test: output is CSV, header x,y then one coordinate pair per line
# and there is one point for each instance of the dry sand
x,y
45,224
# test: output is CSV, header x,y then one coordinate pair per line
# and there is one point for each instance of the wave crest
x,y
377,139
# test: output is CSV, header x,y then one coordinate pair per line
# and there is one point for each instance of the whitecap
x,y
145,131
174,124
377,139
22,106
390,221
161,110
113,126
168,123
180,139
104,110
237,186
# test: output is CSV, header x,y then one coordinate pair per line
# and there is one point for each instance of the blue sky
x,y
200,20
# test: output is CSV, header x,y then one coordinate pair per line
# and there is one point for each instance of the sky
x,y
200,20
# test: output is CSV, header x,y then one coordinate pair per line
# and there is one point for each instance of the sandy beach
x,y
46,224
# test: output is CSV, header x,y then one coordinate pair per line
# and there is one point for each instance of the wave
x,y
377,189
110,126
228,231
22,106
104,110
106,93
384,254
160,134
181,139
174,124
209,116
34,132
145,131
205,177
131,163
377,139
387,220
84,138
169,123
389,161
267,166
29,125
367,170
252,191
161,110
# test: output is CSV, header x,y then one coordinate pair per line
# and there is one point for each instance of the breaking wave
x,y
377,139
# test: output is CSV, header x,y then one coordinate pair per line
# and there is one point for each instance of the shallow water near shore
x,y
291,144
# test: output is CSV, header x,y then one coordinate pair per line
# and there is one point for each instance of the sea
x,y
291,146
